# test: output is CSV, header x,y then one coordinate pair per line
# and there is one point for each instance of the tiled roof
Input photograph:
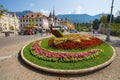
x,y
34,15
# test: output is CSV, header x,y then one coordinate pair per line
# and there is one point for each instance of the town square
x,y
49,44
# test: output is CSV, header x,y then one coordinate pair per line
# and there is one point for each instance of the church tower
x,y
53,13
52,18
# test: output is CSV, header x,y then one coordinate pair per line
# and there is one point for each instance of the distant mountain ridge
x,y
74,18
21,13
79,18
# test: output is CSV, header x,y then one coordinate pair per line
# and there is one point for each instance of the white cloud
x,y
76,11
45,12
30,6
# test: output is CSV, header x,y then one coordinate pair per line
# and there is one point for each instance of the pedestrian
x,y
41,32
93,31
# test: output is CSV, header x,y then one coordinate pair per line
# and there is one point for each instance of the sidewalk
x,y
13,68
3,34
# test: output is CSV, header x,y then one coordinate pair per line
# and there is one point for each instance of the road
x,y
13,40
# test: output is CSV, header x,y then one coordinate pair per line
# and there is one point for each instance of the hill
x,y
79,18
21,13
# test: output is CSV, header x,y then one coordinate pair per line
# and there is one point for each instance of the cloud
x,y
76,11
31,5
45,12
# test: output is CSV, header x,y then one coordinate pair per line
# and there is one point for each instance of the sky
x,y
91,7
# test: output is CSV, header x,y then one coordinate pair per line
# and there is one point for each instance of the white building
x,y
9,22
34,20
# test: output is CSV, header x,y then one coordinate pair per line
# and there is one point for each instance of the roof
x,y
34,15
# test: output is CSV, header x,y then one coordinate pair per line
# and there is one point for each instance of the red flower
x,y
63,55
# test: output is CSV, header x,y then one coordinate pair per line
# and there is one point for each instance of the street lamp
x,y
91,28
109,26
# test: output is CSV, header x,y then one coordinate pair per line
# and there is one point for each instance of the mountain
x,y
74,18
79,18
20,14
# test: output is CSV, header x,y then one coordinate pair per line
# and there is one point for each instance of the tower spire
x,y
53,13
50,15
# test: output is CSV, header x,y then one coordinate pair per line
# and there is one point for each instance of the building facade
x,y
40,21
54,21
34,20
66,23
9,22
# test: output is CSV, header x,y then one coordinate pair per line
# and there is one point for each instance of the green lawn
x,y
103,57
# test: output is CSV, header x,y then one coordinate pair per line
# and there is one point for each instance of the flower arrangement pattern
x,y
74,42
41,53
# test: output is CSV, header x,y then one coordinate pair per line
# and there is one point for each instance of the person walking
x,y
41,32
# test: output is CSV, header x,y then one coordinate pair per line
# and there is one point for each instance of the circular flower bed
x,y
74,53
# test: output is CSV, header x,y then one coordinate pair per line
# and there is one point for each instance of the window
x,y
36,20
40,25
40,19
37,15
26,20
13,15
20,20
36,24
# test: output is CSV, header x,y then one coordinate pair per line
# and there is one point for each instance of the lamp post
x,y
91,28
109,26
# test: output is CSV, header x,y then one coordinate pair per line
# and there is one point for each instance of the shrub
x,y
57,33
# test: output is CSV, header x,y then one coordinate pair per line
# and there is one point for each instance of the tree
x,y
117,19
108,18
103,19
118,13
96,23
2,10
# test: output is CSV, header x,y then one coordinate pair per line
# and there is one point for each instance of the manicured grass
x,y
103,57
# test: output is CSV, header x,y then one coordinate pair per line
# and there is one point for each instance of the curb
x,y
79,71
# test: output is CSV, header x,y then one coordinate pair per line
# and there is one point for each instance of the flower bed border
x,y
60,71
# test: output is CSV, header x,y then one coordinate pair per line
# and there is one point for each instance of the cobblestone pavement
x,y
13,68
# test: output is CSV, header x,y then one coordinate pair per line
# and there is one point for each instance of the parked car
x,y
58,28
73,31
28,32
